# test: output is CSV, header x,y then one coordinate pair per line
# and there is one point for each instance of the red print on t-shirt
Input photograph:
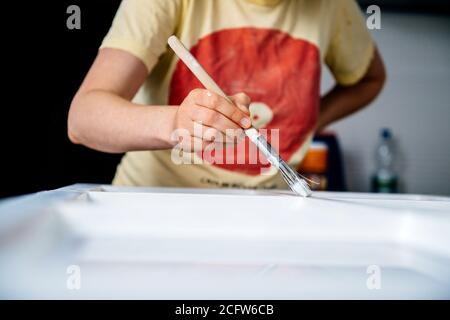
x,y
272,68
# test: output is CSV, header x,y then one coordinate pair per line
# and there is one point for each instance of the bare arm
x,y
102,117
342,101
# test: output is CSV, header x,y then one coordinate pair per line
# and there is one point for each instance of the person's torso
x,y
271,52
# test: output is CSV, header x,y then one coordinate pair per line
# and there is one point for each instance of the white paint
x,y
193,244
415,104
301,188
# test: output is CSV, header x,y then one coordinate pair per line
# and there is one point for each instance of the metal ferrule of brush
x,y
294,181
270,153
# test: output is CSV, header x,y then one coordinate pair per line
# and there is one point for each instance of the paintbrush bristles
x,y
293,180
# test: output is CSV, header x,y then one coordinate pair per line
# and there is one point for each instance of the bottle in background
x,y
385,179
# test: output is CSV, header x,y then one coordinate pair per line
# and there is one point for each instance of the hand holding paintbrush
x,y
292,178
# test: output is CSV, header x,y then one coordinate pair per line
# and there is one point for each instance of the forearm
x,y
343,101
106,122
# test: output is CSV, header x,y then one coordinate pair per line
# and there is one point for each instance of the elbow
x,y
72,136
73,125
382,78
378,85
375,82
379,74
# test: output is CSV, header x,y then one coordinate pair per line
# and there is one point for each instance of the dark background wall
x,y
44,65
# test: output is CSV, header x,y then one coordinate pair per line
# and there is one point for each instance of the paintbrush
x,y
292,178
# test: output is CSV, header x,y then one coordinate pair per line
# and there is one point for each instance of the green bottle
x,y
385,179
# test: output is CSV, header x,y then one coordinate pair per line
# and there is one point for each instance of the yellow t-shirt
x,y
270,49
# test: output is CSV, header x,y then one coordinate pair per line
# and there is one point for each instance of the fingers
x,y
189,143
221,105
212,118
242,101
214,135
208,119
229,138
203,137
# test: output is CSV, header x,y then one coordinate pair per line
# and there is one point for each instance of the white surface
x,y
414,103
189,244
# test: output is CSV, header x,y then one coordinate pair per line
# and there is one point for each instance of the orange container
x,y
316,159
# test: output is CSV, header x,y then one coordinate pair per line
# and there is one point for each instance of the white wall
x,y
415,104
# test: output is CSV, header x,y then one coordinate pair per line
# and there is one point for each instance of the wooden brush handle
x,y
203,76
193,65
